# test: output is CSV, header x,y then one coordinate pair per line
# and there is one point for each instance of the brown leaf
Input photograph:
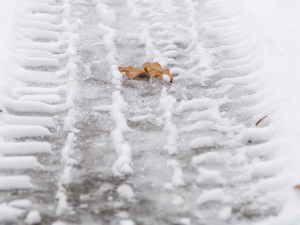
x,y
297,187
152,69
258,122
131,72
155,69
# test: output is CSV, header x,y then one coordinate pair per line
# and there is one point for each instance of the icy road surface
x,y
80,143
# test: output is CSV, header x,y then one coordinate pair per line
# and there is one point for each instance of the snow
x,y
202,142
200,125
206,175
177,179
58,223
36,90
20,203
33,217
70,121
62,206
105,108
151,118
185,221
133,8
10,148
126,222
15,182
9,214
234,63
125,191
216,195
50,98
210,114
198,104
166,78
18,131
19,162
26,120
275,25
208,157
166,104
225,213
177,200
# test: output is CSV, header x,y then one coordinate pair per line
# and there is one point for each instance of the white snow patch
x,y
208,157
225,213
202,142
9,214
47,98
177,179
67,151
197,104
126,222
20,203
206,175
15,182
125,191
185,221
151,118
177,199
20,162
33,217
104,108
166,103
166,78
9,148
215,195
70,121
58,223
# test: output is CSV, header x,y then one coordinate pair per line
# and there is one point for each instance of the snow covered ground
x,y
80,143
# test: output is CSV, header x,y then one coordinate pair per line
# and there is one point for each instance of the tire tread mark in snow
x,y
24,121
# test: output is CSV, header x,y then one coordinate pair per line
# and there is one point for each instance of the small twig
x,y
258,122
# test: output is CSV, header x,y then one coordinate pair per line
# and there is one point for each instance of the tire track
x,y
154,153
238,48
32,123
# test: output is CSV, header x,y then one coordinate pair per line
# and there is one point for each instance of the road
x,y
84,144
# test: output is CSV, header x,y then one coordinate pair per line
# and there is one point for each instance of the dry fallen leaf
x,y
155,69
152,69
131,72
297,187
